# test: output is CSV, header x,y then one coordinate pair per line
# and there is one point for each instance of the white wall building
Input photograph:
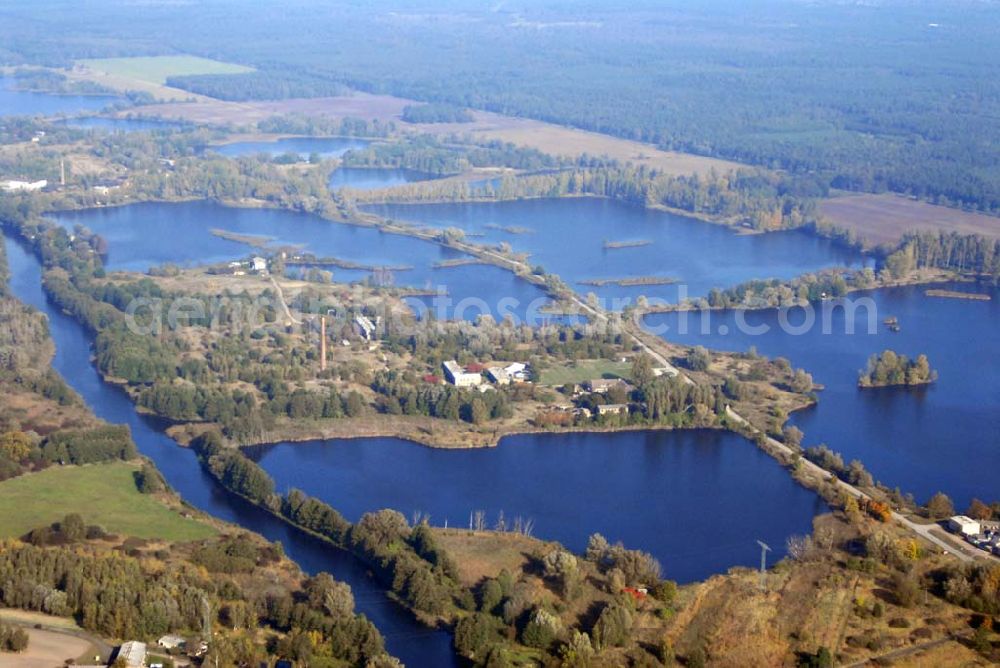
x,y
134,654
964,525
498,375
22,186
458,376
364,327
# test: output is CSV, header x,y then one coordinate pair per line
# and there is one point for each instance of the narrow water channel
x,y
411,642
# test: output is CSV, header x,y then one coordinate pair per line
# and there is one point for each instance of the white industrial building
x,y
364,327
498,375
964,525
133,653
459,377
22,186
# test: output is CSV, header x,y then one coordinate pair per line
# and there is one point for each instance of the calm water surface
x,y
19,103
697,500
415,644
945,437
326,147
149,234
566,236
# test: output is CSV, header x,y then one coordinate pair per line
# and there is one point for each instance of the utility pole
x,y
322,343
764,549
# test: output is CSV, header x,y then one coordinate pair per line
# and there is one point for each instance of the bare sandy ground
x,y
880,219
46,649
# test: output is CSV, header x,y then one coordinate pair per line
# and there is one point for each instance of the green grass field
x,y
581,370
104,494
156,69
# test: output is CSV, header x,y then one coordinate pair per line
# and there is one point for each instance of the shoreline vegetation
x,y
87,517
637,243
631,281
890,369
957,294
415,562
457,262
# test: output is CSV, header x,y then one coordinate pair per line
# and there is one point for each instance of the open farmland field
x,y
104,494
883,219
156,69
562,140
545,137
211,111
149,74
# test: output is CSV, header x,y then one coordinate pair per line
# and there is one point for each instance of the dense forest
x,y
757,199
870,96
963,253
272,84
225,581
435,113
454,155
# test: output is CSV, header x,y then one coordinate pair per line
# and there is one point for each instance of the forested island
x,y
892,369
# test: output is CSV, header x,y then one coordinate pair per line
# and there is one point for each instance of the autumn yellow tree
x,y
15,445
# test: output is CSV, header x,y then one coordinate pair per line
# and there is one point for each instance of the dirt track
x,y
45,650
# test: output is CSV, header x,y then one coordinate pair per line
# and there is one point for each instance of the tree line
x,y
121,596
405,558
270,84
890,368
435,113
758,199
448,155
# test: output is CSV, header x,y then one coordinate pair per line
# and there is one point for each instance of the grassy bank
x,y
103,494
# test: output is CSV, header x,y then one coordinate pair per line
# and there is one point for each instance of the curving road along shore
x,y
925,531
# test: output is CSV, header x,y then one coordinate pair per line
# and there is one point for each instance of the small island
x,y
892,369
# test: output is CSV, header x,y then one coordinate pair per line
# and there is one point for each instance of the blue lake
x,y
697,500
144,235
20,103
566,236
945,437
326,147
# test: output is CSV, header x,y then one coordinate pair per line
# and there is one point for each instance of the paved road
x,y
960,550
923,530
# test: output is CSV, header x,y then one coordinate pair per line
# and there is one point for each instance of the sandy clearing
x,y
885,218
